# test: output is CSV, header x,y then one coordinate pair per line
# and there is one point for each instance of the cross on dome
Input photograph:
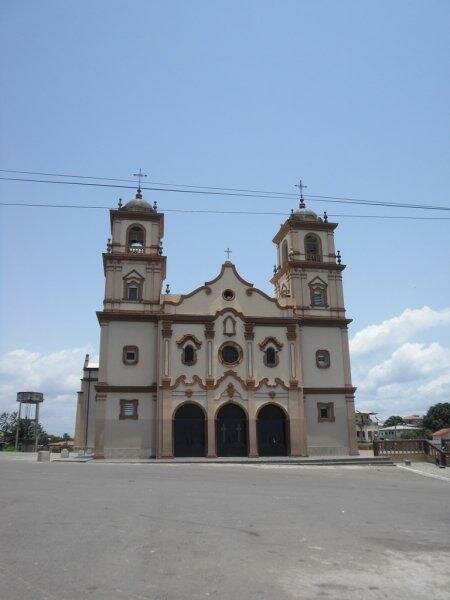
x,y
139,175
301,187
228,252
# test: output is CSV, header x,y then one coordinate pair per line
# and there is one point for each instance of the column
x,y
252,433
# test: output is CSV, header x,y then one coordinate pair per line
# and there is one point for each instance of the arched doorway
x,y
271,429
231,431
189,431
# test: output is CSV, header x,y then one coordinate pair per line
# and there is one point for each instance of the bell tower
x,y
134,265
308,274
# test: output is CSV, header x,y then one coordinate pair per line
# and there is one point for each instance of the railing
x,y
313,257
415,449
136,249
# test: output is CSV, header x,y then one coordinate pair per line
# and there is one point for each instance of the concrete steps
x,y
316,460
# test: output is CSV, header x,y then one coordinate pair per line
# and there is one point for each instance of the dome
x,y
138,203
306,214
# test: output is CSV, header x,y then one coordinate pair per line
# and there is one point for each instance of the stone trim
x,y
210,383
291,332
329,406
270,340
249,332
166,330
123,403
326,355
127,349
189,337
237,347
209,331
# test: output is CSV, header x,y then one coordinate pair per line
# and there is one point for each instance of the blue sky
x,y
351,96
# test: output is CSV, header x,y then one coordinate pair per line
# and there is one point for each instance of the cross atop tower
x,y
228,252
139,175
301,187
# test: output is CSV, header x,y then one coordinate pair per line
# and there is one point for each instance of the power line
x,y
223,212
331,199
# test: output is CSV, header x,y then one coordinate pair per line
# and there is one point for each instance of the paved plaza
x,y
107,531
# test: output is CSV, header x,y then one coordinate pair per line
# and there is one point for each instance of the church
x,y
224,370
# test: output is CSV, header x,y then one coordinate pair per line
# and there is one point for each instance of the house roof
x,y
442,432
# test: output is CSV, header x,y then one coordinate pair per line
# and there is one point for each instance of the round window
x,y
228,295
230,354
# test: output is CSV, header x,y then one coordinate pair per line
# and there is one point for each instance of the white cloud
x,y
57,375
397,330
396,376
410,362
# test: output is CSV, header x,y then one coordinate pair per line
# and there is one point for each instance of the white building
x,y
224,370
366,427
395,432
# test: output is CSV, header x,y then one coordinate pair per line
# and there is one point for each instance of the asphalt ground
x,y
179,532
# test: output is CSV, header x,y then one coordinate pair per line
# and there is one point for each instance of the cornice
x,y
329,390
135,215
104,388
106,316
324,321
307,265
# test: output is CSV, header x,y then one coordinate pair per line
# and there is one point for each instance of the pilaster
x,y
211,451
252,433
100,415
351,425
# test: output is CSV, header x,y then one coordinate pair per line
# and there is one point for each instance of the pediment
x,y
228,292
317,281
133,275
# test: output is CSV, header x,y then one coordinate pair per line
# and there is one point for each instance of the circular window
x,y
228,295
230,354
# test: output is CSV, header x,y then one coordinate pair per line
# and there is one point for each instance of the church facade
x,y
224,370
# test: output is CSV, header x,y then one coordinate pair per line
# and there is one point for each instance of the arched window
x,y
270,357
189,355
313,249
136,239
284,253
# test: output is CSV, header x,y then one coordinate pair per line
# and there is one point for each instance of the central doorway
x,y
271,429
189,431
231,431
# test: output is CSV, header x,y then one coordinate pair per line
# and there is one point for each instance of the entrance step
x,y
316,460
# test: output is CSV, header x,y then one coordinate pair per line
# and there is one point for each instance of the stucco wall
x,y
322,338
140,334
324,437
130,437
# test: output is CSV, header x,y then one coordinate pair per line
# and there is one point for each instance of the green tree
x,y
8,424
393,420
414,434
27,435
437,417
